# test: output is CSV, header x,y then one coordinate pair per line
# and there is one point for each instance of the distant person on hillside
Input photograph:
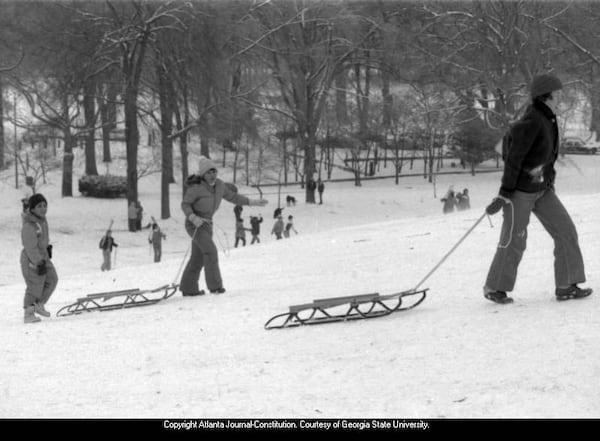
x,y
320,189
255,222
132,215
463,201
289,226
528,187
240,232
201,200
155,238
278,228
449,201
37,268
139,215
107,243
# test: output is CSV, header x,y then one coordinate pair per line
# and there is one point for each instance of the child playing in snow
x,y
106,245
240,232
255,228
278,227
38,271
155,238
289,226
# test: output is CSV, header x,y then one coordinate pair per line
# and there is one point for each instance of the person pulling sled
x,y
528,187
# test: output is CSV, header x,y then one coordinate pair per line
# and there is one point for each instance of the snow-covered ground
x,y
454,356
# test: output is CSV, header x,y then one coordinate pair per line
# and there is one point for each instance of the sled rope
x,y
434,269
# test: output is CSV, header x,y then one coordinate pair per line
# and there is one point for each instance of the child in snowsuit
x,y
278,228
463,201
240,232
289,226
255,228
38,271
106,245
155,238
449,201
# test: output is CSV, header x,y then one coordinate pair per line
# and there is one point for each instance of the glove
x,y
497,203
49,248
41,268
258,202
196,220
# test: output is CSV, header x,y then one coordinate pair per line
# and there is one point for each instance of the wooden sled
x,y
336,309
128,298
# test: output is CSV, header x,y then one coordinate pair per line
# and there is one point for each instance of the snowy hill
x,y
455,356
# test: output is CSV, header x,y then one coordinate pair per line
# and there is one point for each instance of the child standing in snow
x,y
155,238
255,228
289,226
106,245
278,227
449,201
38,271
240,232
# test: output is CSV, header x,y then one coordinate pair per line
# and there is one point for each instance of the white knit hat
x,y
205,165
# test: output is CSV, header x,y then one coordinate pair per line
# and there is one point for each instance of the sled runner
x,y
336,309
128,298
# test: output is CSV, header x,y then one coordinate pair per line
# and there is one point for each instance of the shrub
x,y
106,186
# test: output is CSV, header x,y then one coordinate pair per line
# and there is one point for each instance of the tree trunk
x,y
67,177
183,138
166,128
89,111
105,121
2,145
132,137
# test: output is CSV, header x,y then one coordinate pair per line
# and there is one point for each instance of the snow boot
x,y
572,292
30,316
39,309
191,294
217,291
497,296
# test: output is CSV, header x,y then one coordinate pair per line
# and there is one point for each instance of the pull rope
x,y
512,226
449,252
184,257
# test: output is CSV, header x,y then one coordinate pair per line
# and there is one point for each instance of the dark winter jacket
x,y
255,224
533,150
203,200
107,243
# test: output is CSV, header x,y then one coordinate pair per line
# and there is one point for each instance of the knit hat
x,y
36,199
543,84
205,165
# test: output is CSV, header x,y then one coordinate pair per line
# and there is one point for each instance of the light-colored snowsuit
x,y
35,239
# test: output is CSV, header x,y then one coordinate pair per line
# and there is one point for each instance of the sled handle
x,y
450,252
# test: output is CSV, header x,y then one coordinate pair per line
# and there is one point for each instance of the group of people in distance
x,y
527,186
459,201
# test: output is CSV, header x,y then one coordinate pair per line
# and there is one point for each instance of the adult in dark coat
x,y
528,187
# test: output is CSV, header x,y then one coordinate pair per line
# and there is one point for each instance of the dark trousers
x,y
204,255
255,239
157,252
240,239
568,261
